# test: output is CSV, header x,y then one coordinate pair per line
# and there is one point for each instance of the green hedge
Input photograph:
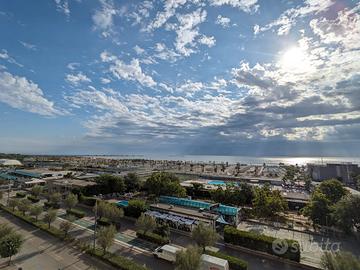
x,y
234,262
39,224
20,194
33,199
261,243
117,261
153,237
76,213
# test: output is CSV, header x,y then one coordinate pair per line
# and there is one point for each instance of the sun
x,y
293,59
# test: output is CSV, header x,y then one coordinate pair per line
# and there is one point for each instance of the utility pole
x,y
95,224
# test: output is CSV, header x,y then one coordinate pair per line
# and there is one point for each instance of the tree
x,y
164,183
333,190
188,259
50,216
267,203
24,205
307,183
13,203
318,209
5,229
346,213
36,190
67,225
109,211
108,183
10,245
135,208
35,211
55,198
339,261
145,223
204,235
70,201
105,237
132,182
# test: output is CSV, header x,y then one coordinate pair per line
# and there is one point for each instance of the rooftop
x,y
73,182
185,212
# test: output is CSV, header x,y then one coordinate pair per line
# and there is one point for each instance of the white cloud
x,y
103,18
139,50
208,41
161,18
77,79
187,31
28,45
130,72
4,55
164,53
20,93
223,21
289,18
245,5
105,80
63,6
73,65
345,29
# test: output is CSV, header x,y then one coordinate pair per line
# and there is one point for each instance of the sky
x,y
220,77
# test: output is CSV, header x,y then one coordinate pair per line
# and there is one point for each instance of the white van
x,y
168,253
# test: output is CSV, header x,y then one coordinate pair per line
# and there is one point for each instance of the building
x,y
9,162
344,172
67,185
184,214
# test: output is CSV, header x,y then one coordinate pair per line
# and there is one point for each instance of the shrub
x,y
234,262
33,198
117,261
103,222
153,237
76,213
51,205
261,243
89,201
20,194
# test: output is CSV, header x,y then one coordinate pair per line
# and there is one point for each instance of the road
x,y
42,251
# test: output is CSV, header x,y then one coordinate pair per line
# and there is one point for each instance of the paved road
x,y
42,251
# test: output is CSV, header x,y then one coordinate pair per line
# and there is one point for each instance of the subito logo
x,y
280,246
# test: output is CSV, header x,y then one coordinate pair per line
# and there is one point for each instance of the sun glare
x,y
293,59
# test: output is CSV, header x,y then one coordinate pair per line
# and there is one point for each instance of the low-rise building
x,y
344,172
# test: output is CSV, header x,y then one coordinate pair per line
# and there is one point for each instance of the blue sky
x,y
229,77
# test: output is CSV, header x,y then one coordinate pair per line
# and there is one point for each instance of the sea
x,y
241,159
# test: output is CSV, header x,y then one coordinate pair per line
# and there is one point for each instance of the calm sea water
x,y
243,159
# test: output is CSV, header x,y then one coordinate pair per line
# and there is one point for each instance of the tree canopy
x,y
188,259
145,223
164,183
105,237
333,190
268,203
204,235
339,261
347,213
10,245
132,182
